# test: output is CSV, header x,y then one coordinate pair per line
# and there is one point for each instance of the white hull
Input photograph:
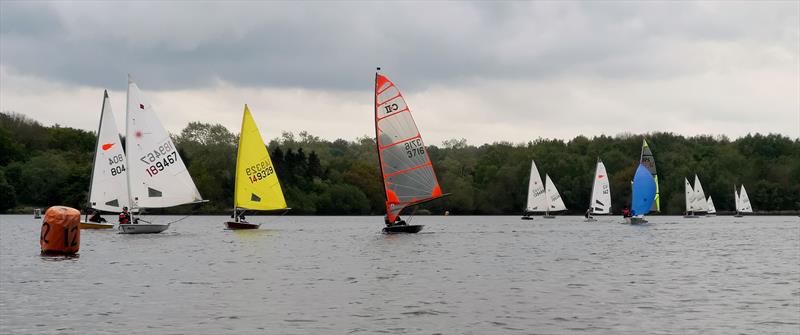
x,y
142,228
590,220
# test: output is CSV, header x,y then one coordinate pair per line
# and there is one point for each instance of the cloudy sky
x,y
486,72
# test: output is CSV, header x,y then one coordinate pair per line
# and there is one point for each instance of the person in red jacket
x,y
125,216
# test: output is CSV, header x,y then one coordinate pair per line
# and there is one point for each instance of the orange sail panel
x,y
408,175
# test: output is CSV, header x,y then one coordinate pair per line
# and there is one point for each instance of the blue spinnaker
x,y
644,191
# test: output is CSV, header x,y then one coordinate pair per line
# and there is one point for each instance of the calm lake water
x,y
461,275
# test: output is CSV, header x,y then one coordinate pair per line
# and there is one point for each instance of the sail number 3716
x,y
414,148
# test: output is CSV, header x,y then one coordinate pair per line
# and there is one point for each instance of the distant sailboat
x,y
600,200
695,198
712,211
157,177
554,201
643,195
257,186
649,161
536,194
108,189
406,168
742,202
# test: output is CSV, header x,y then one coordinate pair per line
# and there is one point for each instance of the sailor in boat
x,y
238,216
626,212
125,216
588,213
397,221
95,217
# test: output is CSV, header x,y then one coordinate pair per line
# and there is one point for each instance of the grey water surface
x,y
460,275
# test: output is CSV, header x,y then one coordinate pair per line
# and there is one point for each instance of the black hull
x,y
400,229
241,225
526,218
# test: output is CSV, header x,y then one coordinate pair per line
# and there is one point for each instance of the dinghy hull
x,y
635,220
96,225
142,228
549,216
526,218
403,229
241,225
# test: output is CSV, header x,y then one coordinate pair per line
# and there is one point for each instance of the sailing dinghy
x,y
554,201
600,201
742,202
712,211
690,200
536,194
257,186
643,196
406,169
649,161
108,190
157,177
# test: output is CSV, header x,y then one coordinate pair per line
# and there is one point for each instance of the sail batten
x,y
406,169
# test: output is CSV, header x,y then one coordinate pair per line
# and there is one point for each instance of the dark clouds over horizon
x,y
485,71
323,45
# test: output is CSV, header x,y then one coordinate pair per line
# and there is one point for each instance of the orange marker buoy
x,y
61,233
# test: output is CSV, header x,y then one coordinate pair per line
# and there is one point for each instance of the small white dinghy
x,y
157,177
600,201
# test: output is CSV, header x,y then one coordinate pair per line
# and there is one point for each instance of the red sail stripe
x,y
390,99
407,170
400,141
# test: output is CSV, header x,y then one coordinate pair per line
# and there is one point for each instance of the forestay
x,y
257,185
537,201
555,203
109,188
600,202
158,178
408,175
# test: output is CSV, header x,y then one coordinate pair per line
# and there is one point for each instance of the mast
x,y
377,143
236,167
594,180
96,145
127,142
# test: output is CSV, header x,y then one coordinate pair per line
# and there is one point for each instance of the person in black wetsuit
x,y
95,217
397,221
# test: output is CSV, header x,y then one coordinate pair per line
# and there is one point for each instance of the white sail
x,y
554,201
744,202
737,201
109,189
711,208
700,204
689,195
157,176
537,201
600,202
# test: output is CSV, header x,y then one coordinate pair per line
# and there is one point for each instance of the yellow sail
x,y
257,185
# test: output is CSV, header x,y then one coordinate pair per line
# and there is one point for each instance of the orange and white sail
x,y
408,175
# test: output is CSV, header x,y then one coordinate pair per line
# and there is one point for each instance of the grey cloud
x,y
336,46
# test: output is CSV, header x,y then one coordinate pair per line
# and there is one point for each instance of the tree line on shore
x,y
42,166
